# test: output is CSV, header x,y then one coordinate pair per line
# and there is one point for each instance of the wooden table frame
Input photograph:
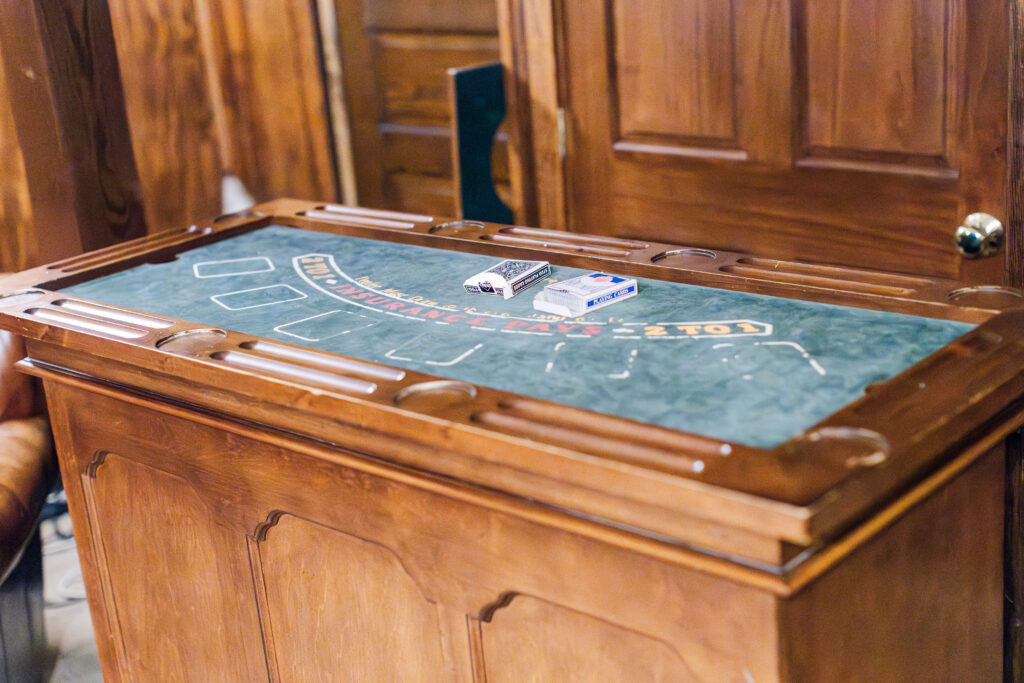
x,y
786,528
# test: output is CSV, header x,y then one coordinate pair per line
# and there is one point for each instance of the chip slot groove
x,y
359,220
293,372
816,280
574,237
554,244
592,442
325,362
615,428
115,314
88,323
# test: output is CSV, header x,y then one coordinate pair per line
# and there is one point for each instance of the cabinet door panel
x,y
345,607
178,581
533,640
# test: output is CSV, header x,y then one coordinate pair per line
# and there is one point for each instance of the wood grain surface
x,y
781,131
169,107
1013,605
1015,146
394,59
522,554
18,249
265,63
300,555
65,92
208,88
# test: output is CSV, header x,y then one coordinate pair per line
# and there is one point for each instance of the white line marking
x,y
195,267
282,330
390,354
215,299
538,334
551,363
296,322
803,352
629,366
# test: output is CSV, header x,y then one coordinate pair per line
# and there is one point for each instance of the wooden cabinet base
x,y
213,549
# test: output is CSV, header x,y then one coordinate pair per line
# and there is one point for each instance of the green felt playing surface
x,y
746,368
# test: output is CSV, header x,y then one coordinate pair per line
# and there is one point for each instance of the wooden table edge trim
x,y
762,575
804,570
785,580
789,520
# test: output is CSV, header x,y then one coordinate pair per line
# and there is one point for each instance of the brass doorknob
x,y
981,235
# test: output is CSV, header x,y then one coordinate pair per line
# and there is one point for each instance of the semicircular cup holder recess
x,y
191,342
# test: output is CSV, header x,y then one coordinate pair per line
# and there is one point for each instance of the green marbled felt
x,y
676,355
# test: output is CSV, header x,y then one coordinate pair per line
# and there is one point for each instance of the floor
x,y
71,647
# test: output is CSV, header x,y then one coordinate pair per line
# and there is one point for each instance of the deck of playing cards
x,y
583,294
508,278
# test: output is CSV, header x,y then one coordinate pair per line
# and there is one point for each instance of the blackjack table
x,y
295,447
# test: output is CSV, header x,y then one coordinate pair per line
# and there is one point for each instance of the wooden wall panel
x,y
692,55
395,56
345,607
169,109
209,88
267,81
472,16
411,72
67,101
868,154
18,249
878,76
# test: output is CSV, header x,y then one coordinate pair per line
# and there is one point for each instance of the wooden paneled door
x,y
394,58
855,132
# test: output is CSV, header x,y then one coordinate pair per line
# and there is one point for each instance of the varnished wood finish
x,y
1013,648
208,88
395,57
205,619
1015,152
215,87
169,108
797,130
516,537
277,138
831,630
68,104
18,249
336,551
367,583
528,40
